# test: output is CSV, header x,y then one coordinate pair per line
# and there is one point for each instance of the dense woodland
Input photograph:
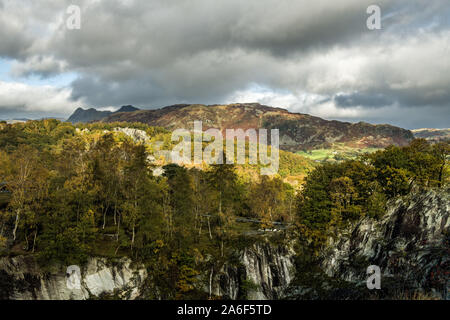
x,y
67,193
338,193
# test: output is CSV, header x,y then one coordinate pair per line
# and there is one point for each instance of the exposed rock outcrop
x,y
137,135
411,245
21,278
264,272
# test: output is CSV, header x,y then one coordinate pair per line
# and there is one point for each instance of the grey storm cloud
x,y
14,40
358,99
154,53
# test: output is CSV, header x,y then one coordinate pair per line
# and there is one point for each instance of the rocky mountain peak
x,y
128,108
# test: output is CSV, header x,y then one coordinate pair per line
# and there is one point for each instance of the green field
x,y
336,153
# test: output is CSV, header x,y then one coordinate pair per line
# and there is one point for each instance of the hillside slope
x,y
297,131
433,135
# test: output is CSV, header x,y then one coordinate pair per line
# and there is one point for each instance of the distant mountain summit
x,y
433,135
128,108
297,131
90,115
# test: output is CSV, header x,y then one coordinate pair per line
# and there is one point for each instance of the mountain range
x,y
297,131
89,115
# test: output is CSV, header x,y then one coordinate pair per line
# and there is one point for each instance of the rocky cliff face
x,y
411,245
22,279
264,272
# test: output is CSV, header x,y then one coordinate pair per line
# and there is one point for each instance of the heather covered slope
x,y
297,131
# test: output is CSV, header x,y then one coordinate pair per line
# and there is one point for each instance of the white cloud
x,y
47,99
296,102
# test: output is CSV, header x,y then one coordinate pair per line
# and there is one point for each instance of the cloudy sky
x,y
315,57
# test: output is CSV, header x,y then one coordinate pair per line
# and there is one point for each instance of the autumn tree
x,y
26,179
181,185
267,200
222,180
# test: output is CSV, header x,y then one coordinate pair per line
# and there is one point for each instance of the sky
x,y
316,57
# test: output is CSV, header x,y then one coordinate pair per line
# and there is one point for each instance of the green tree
x,y
222,180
